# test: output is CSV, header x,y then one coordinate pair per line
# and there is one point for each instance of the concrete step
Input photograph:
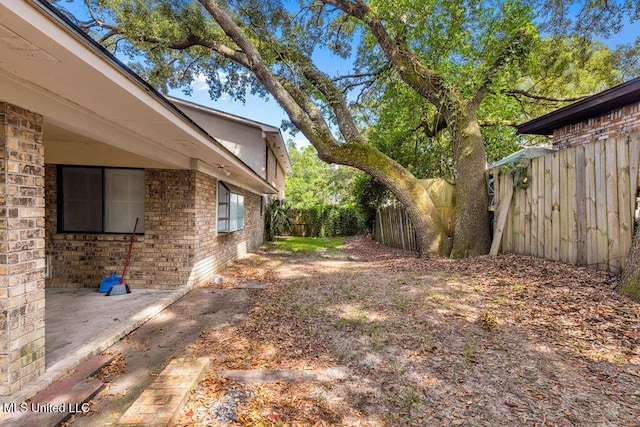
x,y
63,398
160,403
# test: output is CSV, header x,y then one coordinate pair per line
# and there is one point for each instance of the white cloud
x,y
200,83
300,141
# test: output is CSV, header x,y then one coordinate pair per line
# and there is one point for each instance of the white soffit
x,y
48,69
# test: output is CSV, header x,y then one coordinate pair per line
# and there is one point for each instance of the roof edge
x,y
593,106
63,20
264,127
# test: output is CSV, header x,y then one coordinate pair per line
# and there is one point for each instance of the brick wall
x,y
619,122
216,250
180,244
169,223
22,263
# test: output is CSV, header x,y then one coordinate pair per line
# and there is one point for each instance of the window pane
x,y
124,200
82,199
233,207
223,211
230,210
223,208
240,212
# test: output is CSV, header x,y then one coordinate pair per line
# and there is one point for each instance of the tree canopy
x,y
313,182
455,63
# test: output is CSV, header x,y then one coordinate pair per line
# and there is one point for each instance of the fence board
x,y
555,208
624,198
506,235
613,218
571,209
548,236
563,204
503,208
602,222
634,158
538,164
533,212
519,211
590,205
580,206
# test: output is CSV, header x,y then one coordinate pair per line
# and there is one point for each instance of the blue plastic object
x,y
108,282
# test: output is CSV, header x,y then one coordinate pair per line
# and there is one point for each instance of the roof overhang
x,y
49,66
593,106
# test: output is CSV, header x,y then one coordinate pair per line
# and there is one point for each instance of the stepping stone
x,y
283,375
160,403
64,397
251,284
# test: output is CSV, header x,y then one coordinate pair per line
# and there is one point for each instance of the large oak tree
x,y
453,54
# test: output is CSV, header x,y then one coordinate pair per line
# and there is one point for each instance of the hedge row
x,y
328,221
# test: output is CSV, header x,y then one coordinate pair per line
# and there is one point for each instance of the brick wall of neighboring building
x,y
180,243
619,122
22,260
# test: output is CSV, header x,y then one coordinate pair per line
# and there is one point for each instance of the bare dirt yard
x,y
505,341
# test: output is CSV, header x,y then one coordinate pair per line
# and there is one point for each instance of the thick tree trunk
x,y
630,279
471,237
431,233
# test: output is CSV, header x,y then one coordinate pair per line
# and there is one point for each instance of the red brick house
x,y
581,202
608,114
86,147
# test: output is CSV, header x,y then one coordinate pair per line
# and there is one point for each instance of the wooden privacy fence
x,y
394,228
579,207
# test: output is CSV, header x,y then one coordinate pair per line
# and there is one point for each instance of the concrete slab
x,y
251,284
77,317
149,349
82,322
283,375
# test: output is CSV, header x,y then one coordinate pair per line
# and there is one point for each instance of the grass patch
x,y
308,244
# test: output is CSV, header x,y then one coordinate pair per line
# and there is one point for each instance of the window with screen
x,y
230,209
100,200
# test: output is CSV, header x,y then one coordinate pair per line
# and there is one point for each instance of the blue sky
x,y
269,112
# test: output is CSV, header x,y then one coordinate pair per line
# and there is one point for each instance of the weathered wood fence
x,y
579,207
394,228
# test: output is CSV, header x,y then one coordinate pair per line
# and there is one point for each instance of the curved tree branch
x,y
439,124
309,120
427,83
514,92
336,101
490,123
499,61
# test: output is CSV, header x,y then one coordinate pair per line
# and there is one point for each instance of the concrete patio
x,y
81,322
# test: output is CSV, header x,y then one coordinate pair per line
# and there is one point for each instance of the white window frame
x,y
119,206
230,209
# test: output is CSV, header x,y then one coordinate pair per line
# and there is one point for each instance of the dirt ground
x,y
502,341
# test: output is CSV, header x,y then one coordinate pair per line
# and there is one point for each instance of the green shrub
x,y
277,220
329,221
